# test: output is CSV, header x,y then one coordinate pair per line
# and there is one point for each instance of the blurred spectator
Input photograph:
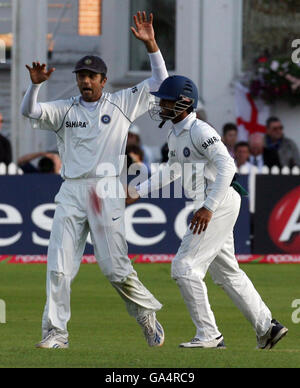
x,y
135,155
5,147
260,155
164,153
200,111
275,140
46,165
49,163
151,154
242,154
230,132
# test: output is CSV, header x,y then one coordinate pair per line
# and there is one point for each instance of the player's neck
x,y
181,117
89,105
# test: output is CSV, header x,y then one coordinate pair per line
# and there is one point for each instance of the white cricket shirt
x,y
198,156
88,140
92,137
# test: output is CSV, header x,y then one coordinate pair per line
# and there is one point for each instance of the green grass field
x,y
102,335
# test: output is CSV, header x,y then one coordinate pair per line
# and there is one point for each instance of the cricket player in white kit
x,y
91,132
208,243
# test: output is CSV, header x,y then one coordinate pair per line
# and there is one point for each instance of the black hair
x,y
229,127
241,144
271,120
135,149
46,165
164,153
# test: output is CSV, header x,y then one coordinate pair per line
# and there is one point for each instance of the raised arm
x,y
144,32
29,157
38,74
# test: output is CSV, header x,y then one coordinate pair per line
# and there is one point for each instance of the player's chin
x,y
87,94
164,116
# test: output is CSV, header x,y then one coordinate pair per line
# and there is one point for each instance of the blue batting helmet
x,y
175,87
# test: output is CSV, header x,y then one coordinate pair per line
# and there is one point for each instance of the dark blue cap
x,y
91,63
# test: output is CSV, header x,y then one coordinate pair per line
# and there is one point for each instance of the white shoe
x,y
197,343
153,330
273,335
53,341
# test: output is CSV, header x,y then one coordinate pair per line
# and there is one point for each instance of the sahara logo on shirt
x,y
209,142
76,124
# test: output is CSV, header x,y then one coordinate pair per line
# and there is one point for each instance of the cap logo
x,y
88,61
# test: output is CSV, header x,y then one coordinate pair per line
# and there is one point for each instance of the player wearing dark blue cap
x,y
91,131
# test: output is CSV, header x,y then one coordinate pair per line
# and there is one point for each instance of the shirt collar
x,y
184,124
259,159
87,104
94,103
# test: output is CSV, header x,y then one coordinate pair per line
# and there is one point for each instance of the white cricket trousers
x,y
213,250
74,218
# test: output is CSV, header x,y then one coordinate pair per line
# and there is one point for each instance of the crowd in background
x,y
269,149
5,147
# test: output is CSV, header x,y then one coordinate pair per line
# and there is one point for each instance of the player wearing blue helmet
x,y
177,94
208,244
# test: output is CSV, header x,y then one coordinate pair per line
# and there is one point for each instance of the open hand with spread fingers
x,y
144,30
200,220
38,73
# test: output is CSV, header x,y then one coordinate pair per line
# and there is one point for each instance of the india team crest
x,y
105,119
186,152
